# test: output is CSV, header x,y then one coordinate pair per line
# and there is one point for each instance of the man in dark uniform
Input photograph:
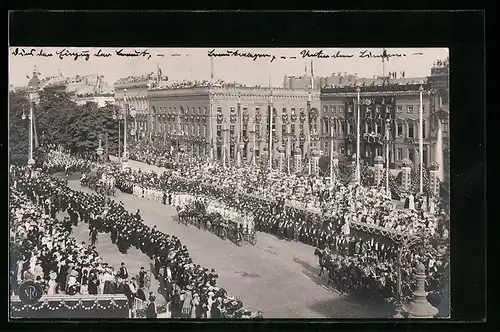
x,y
142,277
157,262
123,271
151,311
176,304
141,295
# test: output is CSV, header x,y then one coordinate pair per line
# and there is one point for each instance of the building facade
x,y
392,107
135,95
230,118
440,114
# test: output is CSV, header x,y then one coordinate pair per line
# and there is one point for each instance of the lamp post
x,y
271,114
125,129
421,141
387,135
332,137
240,143
358,172
31,97
224,134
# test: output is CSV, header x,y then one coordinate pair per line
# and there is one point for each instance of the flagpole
x,y
31,161
253,152
383,63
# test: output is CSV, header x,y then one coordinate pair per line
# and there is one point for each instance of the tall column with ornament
x,y
297,160
241,146
419,307
281,158
406,174
434,186
379,169
315,162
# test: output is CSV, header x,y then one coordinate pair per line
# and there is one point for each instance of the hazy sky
x,y
194,63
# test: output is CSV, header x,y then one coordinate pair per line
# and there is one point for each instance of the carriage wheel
x,y
223,234
239,239
253,239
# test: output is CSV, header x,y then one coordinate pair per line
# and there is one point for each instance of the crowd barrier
x,y
72,306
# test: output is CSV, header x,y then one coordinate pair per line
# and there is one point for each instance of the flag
x,y
384,55
159,72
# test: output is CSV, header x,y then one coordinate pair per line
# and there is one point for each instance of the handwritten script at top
x,y
80,54
254,56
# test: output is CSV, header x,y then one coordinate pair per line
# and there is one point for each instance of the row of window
x,y
183,110
401,153
258,129
375,128
399,109
138,104
190,129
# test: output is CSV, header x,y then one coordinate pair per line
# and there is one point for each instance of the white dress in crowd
x,y
411,203
52,284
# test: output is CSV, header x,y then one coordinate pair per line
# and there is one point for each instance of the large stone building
x,y
393,100
226,117
135,94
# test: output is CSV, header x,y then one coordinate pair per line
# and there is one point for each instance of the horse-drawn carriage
x,y
105,184
239,230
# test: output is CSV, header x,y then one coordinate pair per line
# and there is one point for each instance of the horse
x,y
324,260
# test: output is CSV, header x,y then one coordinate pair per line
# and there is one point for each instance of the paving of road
x,y
276,276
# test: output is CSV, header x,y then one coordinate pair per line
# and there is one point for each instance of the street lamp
x,y
421,140
387,135
32,96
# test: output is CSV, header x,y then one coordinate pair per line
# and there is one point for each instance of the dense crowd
x,y
196,293
201,84
368,258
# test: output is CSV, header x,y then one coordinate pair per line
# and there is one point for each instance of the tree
x,y
18,128
60,121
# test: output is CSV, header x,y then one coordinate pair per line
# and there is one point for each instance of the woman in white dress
x,y
210,301
51,290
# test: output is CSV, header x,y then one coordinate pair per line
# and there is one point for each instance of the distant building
x,y
81,89
100,99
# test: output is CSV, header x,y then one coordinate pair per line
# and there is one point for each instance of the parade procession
x,y
206,199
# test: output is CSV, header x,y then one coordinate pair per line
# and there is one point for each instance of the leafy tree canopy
x,y
59,120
